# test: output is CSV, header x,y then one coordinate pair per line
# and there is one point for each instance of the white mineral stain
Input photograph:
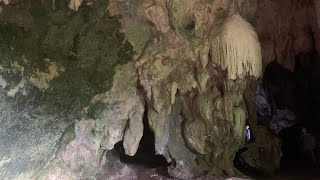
x,y
12,92
3,82
42,79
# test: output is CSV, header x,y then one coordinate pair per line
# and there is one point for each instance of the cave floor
x,y
134,172
295,174
141,172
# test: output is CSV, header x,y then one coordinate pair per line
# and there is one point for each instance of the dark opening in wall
x,y
145,155
240,164
307,90
301,149
288,101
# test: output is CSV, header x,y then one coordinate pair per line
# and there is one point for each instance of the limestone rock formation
x,y
76,78
192,65
286,27
264,155
116,116
52,64
75,4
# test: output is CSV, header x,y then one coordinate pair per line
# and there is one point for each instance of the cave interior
x,y
286,99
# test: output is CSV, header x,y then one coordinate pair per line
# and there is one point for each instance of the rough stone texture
x,y
117,116
264,154
247,9
52,64
189,63
114,169
192,64
277,120
75,4
122,113
286,28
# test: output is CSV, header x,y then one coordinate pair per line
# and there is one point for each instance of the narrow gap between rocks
x,y
146,155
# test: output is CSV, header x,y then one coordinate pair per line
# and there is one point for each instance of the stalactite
x,y
237,49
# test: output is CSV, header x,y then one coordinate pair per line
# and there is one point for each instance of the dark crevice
x,y
297,91
240,164
146,155
290,92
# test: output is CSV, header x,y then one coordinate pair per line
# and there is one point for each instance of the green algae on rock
x,y
52,63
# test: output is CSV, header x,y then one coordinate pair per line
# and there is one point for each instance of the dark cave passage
x,y
146,155
243,167
288,105
287,102
145,164
307,90
74,74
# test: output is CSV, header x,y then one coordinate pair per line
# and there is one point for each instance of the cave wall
x,y
190,60
76,76
52,63
289,32
287,28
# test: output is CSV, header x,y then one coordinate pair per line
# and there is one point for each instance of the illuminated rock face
x,y
193,71
73,87
52,64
